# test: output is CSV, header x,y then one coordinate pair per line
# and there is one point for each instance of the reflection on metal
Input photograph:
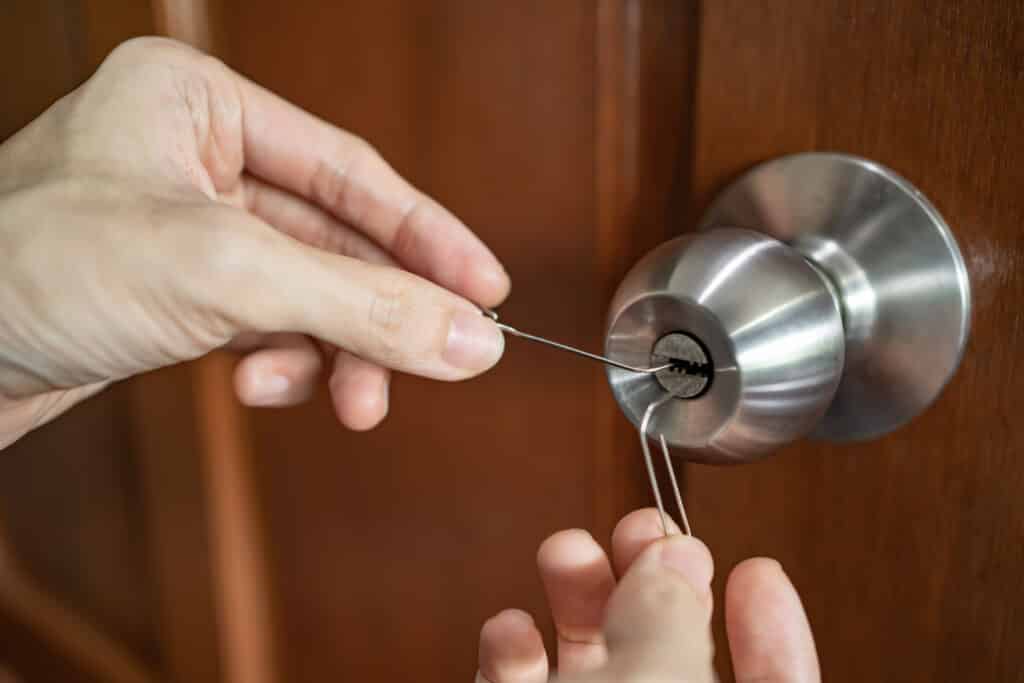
x,y
826,295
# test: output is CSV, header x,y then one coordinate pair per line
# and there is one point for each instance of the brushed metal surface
x,y
767,319
899,275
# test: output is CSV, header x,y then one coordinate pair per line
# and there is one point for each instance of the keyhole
x,y
691,372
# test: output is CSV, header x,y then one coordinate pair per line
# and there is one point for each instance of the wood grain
x,y
164,421
908,550
242,586
69,637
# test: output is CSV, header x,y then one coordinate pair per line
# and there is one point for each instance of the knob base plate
x,y
894,265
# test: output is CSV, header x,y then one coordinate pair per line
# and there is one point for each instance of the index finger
x,y
297,151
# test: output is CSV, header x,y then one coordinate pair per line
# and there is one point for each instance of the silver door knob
x,y
823,295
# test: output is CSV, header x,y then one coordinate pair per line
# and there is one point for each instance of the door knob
x,y
821,295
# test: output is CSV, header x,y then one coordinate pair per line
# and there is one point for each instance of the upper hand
x,y
653,623
169,206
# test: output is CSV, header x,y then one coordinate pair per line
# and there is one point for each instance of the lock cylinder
x,y
691,371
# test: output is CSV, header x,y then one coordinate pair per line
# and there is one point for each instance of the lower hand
x,y
653,622
169,207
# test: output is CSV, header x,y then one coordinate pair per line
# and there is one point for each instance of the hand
x,y
654,624
169,207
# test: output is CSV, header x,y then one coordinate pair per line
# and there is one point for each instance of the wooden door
x,y
573,136
908,550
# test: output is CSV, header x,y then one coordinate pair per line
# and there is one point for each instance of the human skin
x,y
643,615
169,207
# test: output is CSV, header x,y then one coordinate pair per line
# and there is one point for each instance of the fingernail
x,y
474,342
690,558
269,389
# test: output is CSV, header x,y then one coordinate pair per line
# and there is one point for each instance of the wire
x,y
649,463
565,347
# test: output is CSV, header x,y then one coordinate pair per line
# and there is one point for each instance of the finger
x,y
658,619
578,580
294,150
283,373
769,636
359,391
246,276
634,533
512,650
308,223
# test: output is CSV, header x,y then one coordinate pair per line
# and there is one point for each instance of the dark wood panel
x,y
32,29
70,506
908,550
45,663
164,419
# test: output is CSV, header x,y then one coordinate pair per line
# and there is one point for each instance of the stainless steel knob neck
x,y
771,329
826,295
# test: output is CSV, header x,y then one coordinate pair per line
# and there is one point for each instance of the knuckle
x,y
151,55
157,49
389,318
213,65
335,183
216,74
362,149
408,238
328,184
150,48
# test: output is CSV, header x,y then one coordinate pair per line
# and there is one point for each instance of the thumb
x,y
264,281
657,624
